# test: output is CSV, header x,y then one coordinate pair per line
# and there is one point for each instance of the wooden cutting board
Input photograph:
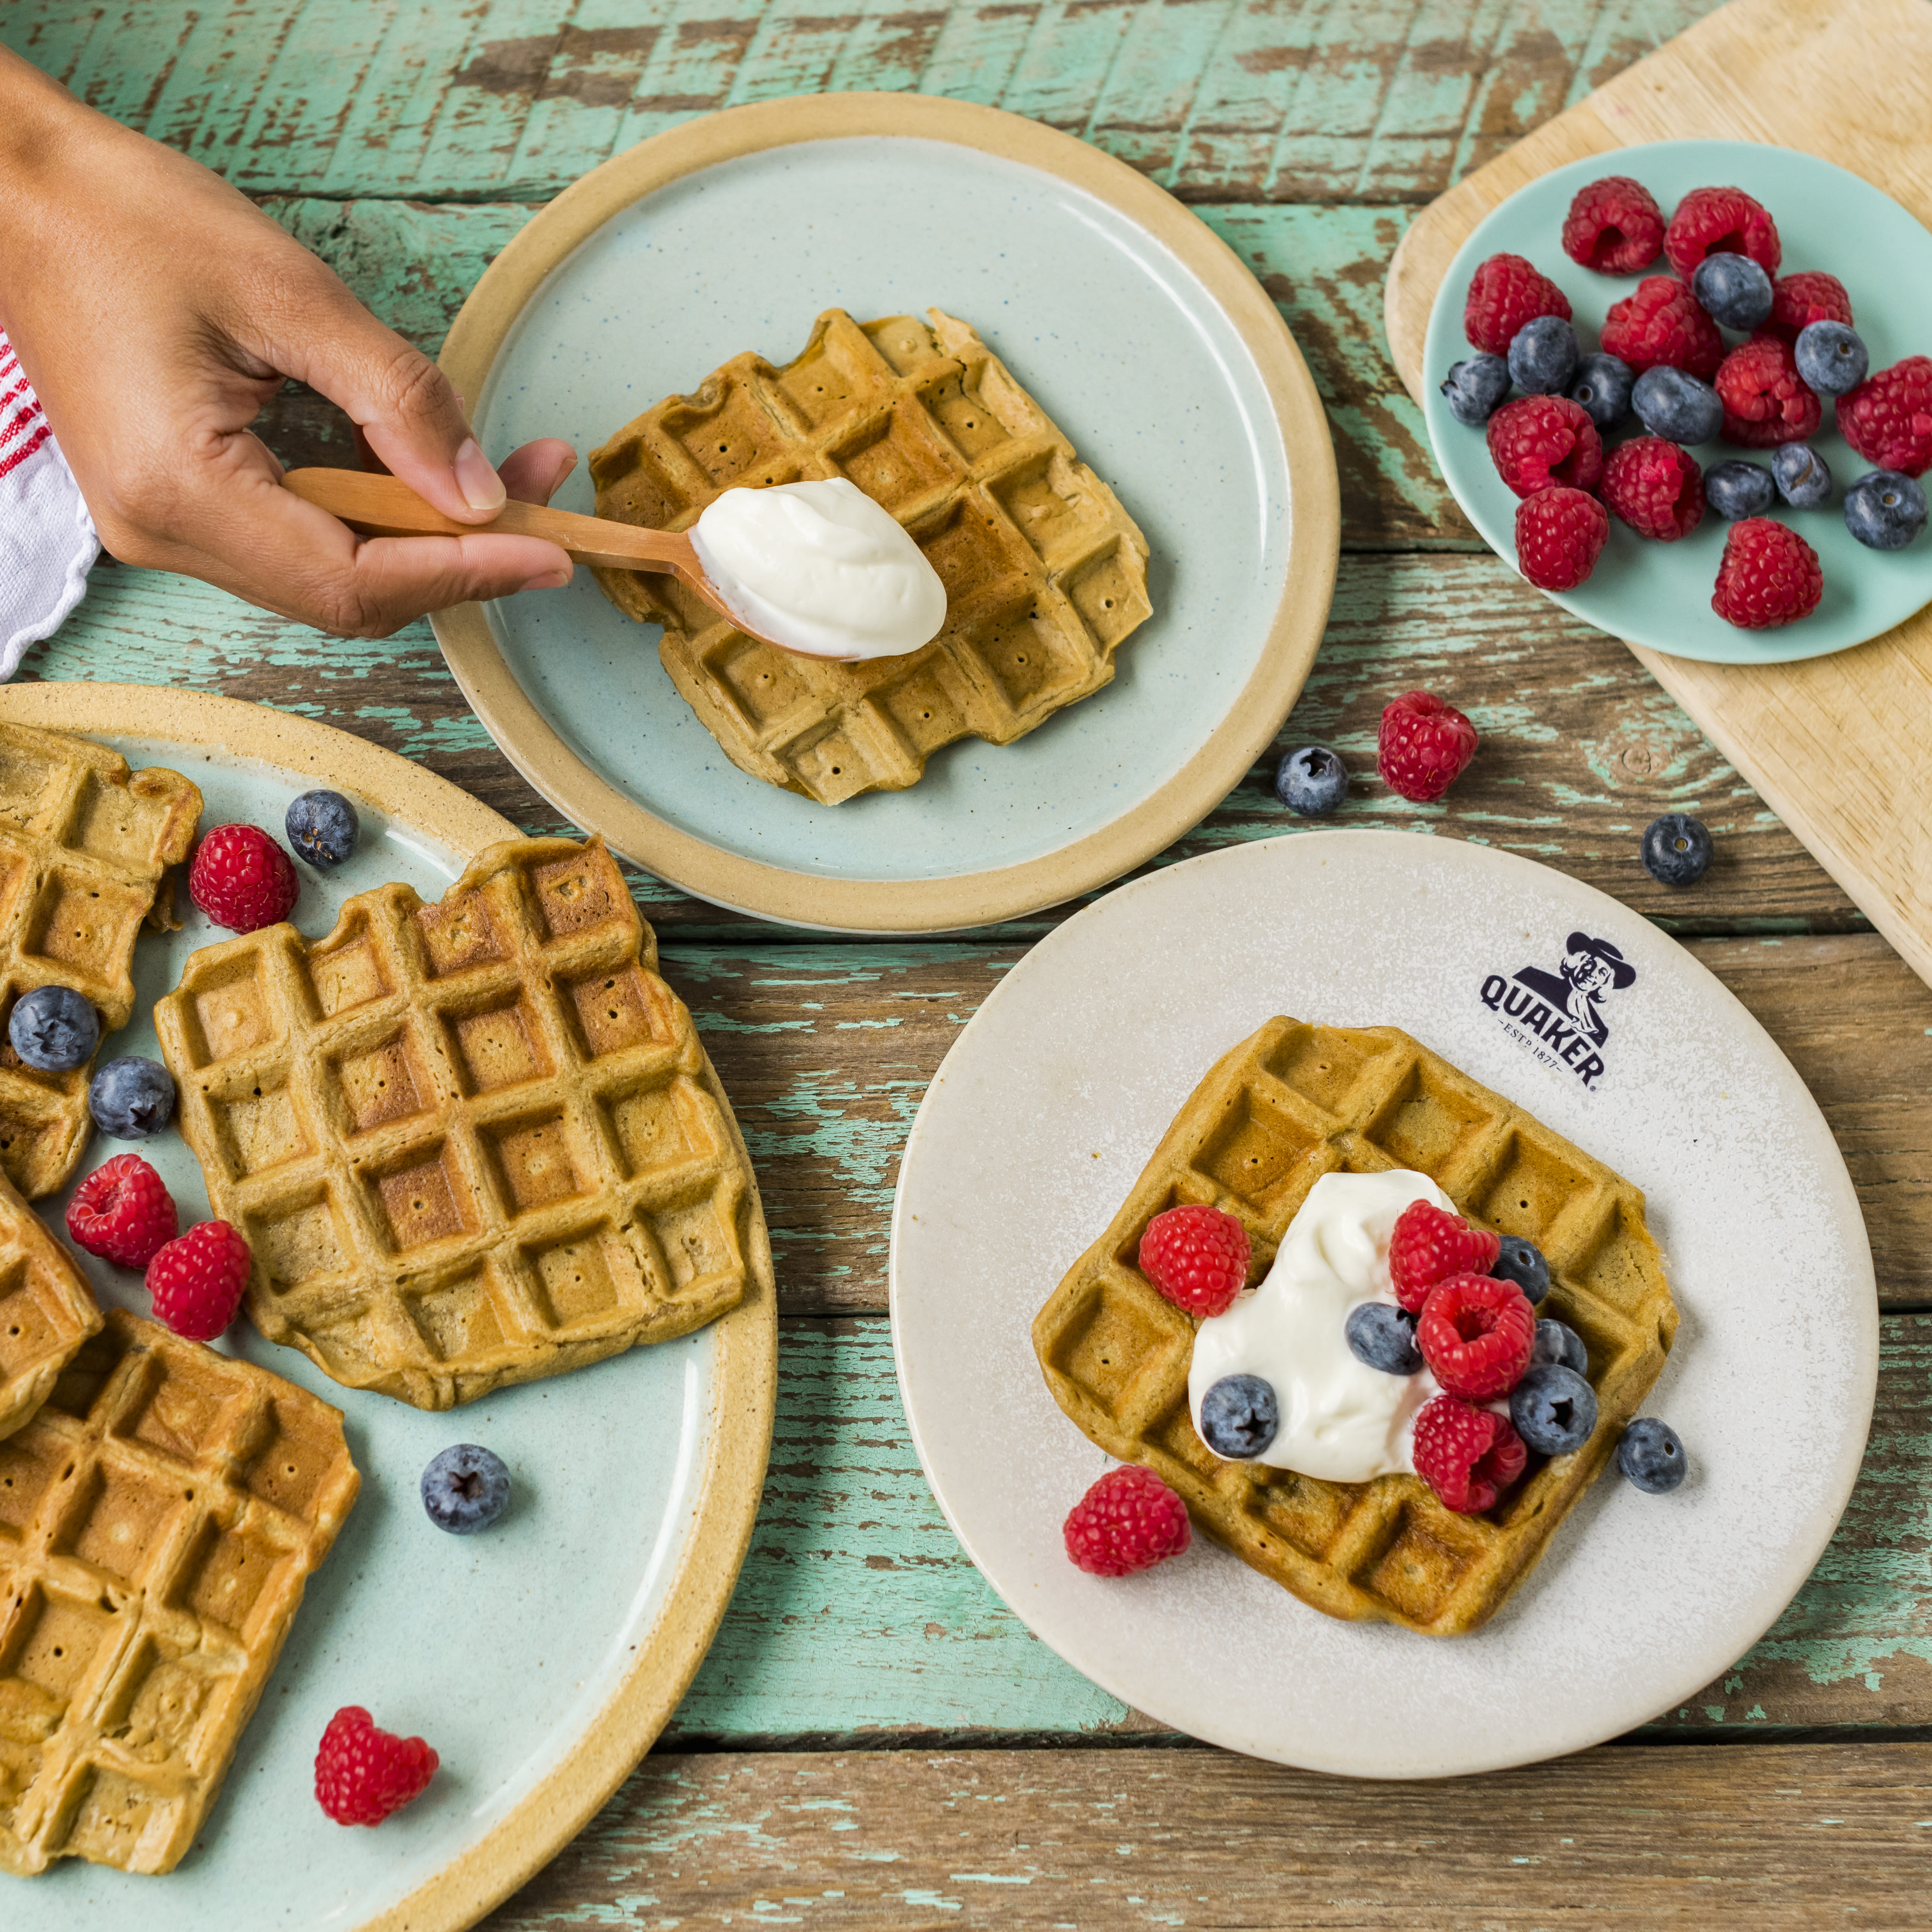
x,y
1840,747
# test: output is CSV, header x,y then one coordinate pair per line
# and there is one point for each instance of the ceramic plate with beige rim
x,y
541,1658
1139,331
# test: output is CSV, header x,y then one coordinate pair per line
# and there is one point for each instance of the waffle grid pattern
x,y
1045,572
1290,1104
47,1310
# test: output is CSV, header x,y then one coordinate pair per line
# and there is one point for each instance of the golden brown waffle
x,y
47,1310
1290,1104
469,1143
159,1520
84,843
1045,573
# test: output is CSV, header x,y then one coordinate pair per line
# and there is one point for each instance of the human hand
x,y
156,311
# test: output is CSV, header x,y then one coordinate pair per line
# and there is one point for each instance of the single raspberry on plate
x,y
1476,1335
1429,1245
196,1281
1721,221
1560,534
362,1775
1661,322
1505,293
241,878
1129,1520
1810,296
1769,575
1614,225
1538,440
1197,1257
1655,487
1888,417
1424,745
1766,401
1469,1457
122,1213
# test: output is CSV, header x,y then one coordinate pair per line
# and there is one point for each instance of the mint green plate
x,y
1659,595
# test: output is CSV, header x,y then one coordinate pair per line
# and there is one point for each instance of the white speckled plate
x,y
1045,1112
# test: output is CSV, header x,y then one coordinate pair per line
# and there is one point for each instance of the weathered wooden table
x,y
874,1740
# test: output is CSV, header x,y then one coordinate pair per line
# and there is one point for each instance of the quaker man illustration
x,y
1591,968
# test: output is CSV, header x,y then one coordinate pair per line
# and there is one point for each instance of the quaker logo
x,y
1559,1015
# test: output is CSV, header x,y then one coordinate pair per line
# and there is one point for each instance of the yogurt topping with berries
x,y
1340,1419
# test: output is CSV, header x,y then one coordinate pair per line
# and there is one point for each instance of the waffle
x,y
469,1143
47,1310
1292,1103
1045,573
84,844
158,1521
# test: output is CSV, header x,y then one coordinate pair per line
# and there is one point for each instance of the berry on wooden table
x,y
1476,1335
1469,1457
1676,849
1129,1520
1733,290
1683,408
1538,440
1810,296
1312,781
1197,1257
1766,401
1428,1244
1832,356
363,1775
1736,490
122,1213
242,879
1768,576
1721,220
1884,510
1423,746
1602,389
1655,487
1475,387
1659,322
1614,226
196,1281
1504,293
1888,417
1560,534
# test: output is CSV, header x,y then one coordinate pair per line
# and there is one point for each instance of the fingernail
x,y
482,488
549,580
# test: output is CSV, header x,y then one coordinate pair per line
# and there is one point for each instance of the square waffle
x,y
159,1520
84,844
47,1310
1292,1103
468,1144
1045,572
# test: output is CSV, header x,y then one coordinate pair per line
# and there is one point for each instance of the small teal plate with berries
x,y
1658,595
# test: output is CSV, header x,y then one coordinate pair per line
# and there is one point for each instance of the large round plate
x,y
1141,334
1048,1106
540,1659
1659,595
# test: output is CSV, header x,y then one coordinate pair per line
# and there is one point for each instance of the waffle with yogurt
x,y
1045,572
85,846
1284,1107
468,1144
159,1521
47,1310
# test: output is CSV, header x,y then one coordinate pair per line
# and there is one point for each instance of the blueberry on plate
x,y
465,1488
1239,1416
1736,490
1803,477
131,1098
322,828
1543,356
1602,384
1831,358
1676,849
1651,1456
1884,509
1733,289
1475,387
1676,407
1522,1262
1553,1407
54,1029
1383,1336
1312,781
1557,1342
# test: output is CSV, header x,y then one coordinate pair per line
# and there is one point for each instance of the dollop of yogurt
x,y
1341,1420
820,567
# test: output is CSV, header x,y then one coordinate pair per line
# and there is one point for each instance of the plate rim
x,y
744,1382
959,901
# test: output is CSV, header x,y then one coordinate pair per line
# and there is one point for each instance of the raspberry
x,y
1469,1457
1129,1520
1476,1335
1429,1245
1888,417
1660,321
1766,401
196,1281
1538,440
1424,745
122,1213
362,1775
1721,221
1614,226
1505,293
1655,487
1810,296
1559,536
241,878
1769,576
1197,1257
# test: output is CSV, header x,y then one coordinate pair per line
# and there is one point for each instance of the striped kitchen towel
x,y
47,539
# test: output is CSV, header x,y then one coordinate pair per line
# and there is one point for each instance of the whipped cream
x,y
821,568
1340,1419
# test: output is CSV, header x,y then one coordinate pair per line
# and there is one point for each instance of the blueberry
x,y
1602,384
53,1029
1733,289
1737,490
1384,1337
322,827
1678,407
1676,849
1557,1342
1543,356
1475,387
465,1488
1239,1416
1553,1407
1883,509
1803,479
1312,781
1651,1456
1522,1262
1831,357
131,1098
